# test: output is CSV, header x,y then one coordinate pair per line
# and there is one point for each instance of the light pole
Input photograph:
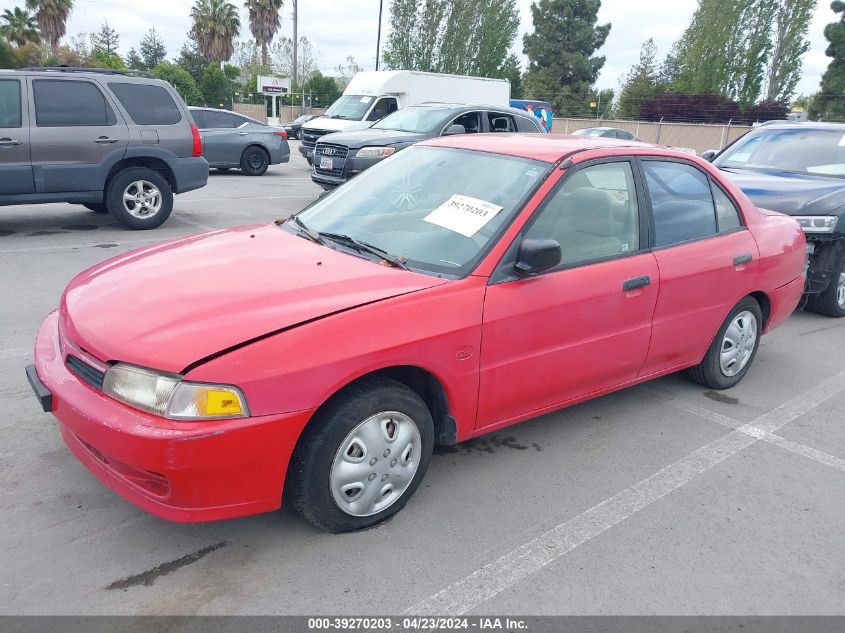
x,y
378,37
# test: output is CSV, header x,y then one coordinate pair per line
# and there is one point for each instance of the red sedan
x,y
463,285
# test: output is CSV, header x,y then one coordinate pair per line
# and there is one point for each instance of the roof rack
x,y
80,69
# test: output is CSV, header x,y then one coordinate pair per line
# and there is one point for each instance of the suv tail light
x,y
195,131
282,133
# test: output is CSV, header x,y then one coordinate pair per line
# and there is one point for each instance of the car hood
x,y
170,305
325,123
372,136
790,193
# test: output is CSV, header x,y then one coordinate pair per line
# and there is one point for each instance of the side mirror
x,y
536,256
709,155
455,129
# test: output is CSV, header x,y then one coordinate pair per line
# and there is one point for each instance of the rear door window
x,y
727,215
525,124
70,103
10,103
199,118
498,122
215,119
146,104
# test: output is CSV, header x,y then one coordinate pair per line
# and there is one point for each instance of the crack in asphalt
x,y
148,577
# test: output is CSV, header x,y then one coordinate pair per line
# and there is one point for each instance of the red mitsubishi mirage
x,y
463,285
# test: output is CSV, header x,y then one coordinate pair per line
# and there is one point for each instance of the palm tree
x,y
51,16
216,25
264,23
19,27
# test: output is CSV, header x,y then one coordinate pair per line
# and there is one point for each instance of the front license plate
x,y
326,163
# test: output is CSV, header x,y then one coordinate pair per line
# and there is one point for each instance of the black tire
x,y
124,179
254,161
96,207
709,371
828,302
308,479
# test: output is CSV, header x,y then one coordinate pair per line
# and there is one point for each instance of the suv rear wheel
x,y
254,161
139,198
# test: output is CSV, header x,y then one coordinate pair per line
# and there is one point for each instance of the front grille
x,y
338,155
310,137
89,374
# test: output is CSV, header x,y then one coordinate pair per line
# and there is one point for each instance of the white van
x,y
372,95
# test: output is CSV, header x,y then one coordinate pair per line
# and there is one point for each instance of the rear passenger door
x,y
223,143
708,260
498,122
15,162
76,137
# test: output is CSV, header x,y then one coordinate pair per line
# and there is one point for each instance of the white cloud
x,y
338,28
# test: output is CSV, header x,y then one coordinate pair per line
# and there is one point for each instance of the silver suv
x,y
114,141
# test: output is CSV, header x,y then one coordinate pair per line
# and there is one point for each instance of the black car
x,y
294,128
342,155
799,169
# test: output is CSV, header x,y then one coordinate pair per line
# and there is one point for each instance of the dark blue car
x,y
799,169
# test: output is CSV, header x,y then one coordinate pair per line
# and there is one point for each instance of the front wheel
x,y
362,457
731,353
254,161
139,198
831,302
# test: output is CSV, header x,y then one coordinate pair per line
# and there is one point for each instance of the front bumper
x,y
352,167
307,151
188,472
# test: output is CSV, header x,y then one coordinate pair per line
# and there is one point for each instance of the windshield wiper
x,y
363,247
304,230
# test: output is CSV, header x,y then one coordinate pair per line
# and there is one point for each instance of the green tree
x,y
562,66
191,59
134,61
792,21
153,50
512,71
465,37
215,26
322,89
281,59
19,27
641,83
102,59
829,104
51,16
345,72
181,80
106,40
215,87
264,23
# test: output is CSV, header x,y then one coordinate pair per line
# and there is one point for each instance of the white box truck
x,y
372,95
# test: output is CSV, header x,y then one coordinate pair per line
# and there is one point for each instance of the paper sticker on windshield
x,y
463,214
366,99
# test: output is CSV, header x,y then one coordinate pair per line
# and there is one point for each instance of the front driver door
x,y
584,326
15,161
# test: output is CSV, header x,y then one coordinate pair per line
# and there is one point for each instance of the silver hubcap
x,y
840,291
375,464
142,199
738,344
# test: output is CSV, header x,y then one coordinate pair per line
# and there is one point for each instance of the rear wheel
x,y
139,198
731,353
362,457
254,161
831,302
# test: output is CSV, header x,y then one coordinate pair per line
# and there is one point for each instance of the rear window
x,y
68,103
146,104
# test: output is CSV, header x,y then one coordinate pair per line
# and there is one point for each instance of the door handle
x,y
103,140
242,133
745,258
636,282
10,142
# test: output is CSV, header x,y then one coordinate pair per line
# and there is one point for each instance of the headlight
x,y
375,152
817,223
168,396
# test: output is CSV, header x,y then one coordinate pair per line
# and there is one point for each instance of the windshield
x,y
796,150
590,131
436,208
349,107
418,120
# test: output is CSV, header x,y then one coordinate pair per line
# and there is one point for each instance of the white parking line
x,y
509,569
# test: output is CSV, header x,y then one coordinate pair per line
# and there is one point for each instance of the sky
x,y
338,28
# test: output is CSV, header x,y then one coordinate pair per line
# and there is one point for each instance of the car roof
x,y
806,125
549,148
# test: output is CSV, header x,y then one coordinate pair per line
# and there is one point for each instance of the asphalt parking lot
x,y
661,499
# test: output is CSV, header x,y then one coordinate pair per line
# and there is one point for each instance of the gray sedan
x,y
232,140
